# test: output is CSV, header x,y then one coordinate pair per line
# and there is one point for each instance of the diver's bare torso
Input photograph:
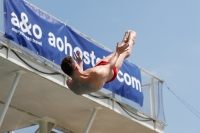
x,y
93,79
90,80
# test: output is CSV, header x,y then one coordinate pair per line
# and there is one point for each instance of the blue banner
x,y
30,27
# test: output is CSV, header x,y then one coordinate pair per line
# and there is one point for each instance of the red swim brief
x,y
114,70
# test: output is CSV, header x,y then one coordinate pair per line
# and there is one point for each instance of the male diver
x,y
93,79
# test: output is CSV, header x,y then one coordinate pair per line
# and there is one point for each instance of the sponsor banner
x,y
30,27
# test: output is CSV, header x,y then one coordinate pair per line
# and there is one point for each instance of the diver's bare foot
x,y
126,36
131,37
130,41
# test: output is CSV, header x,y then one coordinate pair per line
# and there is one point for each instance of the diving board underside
x,y
38,95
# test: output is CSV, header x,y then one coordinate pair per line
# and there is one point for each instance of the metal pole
x,y
153,99
91,120
12,90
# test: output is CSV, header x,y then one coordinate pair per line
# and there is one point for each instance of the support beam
x,y
12,90
43,127
46,124
91,119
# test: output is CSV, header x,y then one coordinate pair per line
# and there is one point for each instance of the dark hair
x,y
68,65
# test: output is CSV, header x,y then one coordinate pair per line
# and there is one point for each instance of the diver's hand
x,y
78,57
122,48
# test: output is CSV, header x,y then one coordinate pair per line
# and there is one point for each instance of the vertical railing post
x,y
153,98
